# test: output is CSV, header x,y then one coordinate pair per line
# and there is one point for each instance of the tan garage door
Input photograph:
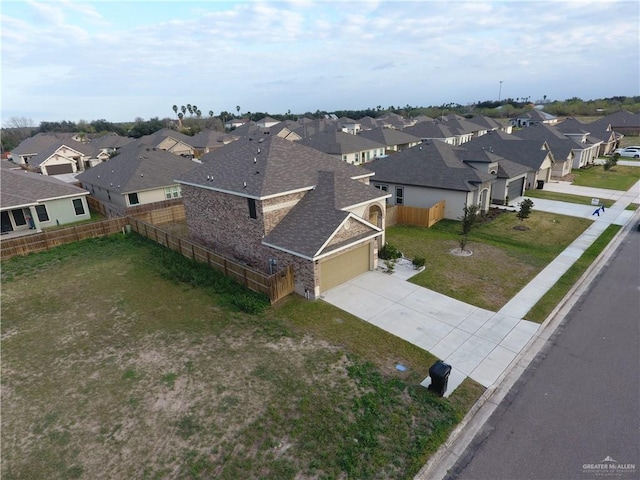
x,y
344,267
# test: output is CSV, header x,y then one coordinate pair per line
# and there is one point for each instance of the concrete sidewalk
x,y
477,343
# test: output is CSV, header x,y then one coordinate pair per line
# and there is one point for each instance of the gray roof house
x,y
207,140
273,203
622,122
55,154
437,130
394,140
354,149
533,117
138,175
428,173
170,140
563,148
30,202
591,133
533,154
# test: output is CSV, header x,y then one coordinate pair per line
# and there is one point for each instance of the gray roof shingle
x,y
21,188
431,164
137,167
336,142
271,166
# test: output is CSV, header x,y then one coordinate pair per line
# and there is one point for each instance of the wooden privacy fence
x,y
276,286
422,217
39,242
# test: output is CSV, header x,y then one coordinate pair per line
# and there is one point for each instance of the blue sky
x,y
69,60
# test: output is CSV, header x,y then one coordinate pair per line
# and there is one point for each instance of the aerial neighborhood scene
x,y
320,240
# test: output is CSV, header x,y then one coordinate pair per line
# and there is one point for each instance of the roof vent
x,y
244,184
255,159
258,149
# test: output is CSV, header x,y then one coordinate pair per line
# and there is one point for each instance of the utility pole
x,y
500,91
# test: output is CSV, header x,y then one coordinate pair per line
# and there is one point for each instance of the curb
x,y
445,458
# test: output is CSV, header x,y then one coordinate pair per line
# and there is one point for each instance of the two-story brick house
x,y
272,203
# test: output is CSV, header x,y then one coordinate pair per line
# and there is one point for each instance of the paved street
x,y
578,403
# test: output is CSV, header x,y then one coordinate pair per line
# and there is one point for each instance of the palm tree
x,y
195,109
211,113
180,115
184,110
198,113
238,109
175,109
190,108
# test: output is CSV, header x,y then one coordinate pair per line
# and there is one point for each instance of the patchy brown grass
x,y
112,370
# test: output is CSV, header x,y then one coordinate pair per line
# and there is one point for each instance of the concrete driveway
x,y
476,343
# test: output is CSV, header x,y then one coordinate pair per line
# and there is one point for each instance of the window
x,y
18,217
41,210
133,199
78,206
252,208
173,192
384,188
399,195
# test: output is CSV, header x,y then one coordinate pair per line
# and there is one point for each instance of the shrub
x,y
418,262
250,303
389,252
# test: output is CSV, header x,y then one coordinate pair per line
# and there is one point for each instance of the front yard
x,y
121,359
619,177
504,260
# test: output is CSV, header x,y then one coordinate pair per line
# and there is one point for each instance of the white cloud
x,y
273,56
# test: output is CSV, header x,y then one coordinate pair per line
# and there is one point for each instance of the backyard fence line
x,y
422,217
39,242
276,286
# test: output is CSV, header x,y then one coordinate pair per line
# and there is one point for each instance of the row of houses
x,y
273,197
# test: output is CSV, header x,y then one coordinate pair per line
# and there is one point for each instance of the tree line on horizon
x,y
19,128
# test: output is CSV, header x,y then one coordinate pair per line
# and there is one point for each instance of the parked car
x,y
631,151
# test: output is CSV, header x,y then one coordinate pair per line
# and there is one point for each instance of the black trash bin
x,y
540,184
439,373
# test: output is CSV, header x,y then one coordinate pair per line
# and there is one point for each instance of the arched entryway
x,y
376,217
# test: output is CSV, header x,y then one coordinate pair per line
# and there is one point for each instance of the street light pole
x,y
500,92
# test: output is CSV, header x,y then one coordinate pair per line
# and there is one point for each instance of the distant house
x,y
566,151
437,130
622,122
171,141
533,117
29,201
273,203
208,140
393,140
138,175
424,175
533,154
600,133
267,122
110,143
353,149
235,123
54,154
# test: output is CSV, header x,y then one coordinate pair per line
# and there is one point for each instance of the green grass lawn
x,y
548,302
565,197
618,178
122,359
504,259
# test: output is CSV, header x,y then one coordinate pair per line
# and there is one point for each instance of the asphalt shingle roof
x,y
20,187
389,136
271,166
525,152
431,164
312,221
137,167
336,142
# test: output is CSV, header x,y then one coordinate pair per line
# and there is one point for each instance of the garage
x,y
341,268
515,188
59,169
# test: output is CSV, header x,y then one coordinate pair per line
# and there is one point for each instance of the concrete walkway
x,y
477,343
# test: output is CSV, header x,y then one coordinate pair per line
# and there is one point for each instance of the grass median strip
x,y
552,298
566,197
